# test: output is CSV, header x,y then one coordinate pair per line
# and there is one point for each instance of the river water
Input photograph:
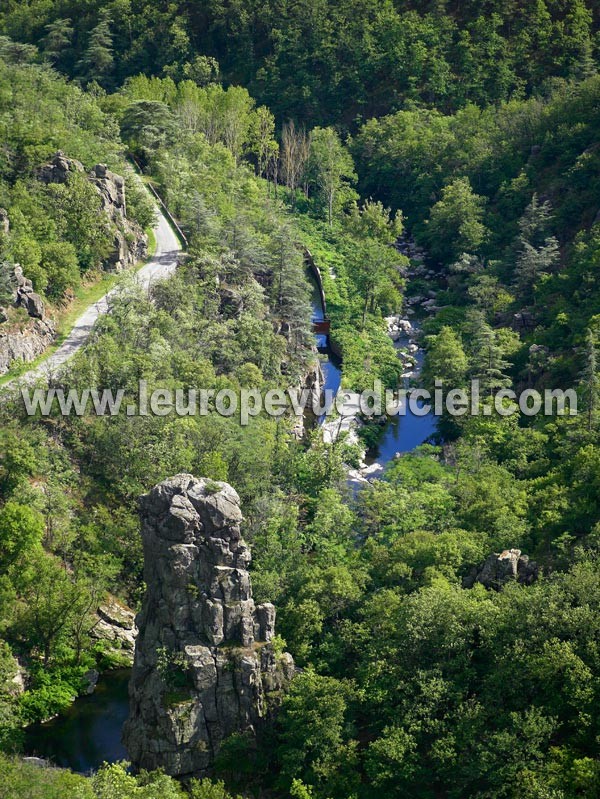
x,y
401,433
89,732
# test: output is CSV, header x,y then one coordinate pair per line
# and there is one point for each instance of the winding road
x,y
162,265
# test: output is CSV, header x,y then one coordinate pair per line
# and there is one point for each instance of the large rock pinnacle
x,y
204,665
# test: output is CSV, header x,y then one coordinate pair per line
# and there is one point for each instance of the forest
x,y
352,129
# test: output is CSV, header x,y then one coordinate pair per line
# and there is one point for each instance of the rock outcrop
x,y
115,625
205,665
25,344
130,242
25,296
502,568
24,341
4,222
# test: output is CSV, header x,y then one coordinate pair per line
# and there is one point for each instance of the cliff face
x,y
26,340
204,665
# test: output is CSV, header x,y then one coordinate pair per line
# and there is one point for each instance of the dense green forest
x,y
321,62
473,130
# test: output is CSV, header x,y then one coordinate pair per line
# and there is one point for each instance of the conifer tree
x,y
488,364
98,60
590,379
58,38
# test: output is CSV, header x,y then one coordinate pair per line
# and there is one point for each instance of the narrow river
x,y
89,732
401,433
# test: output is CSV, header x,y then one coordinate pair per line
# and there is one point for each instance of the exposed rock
x,y
115,624
91,677
204,665
130,243
59,169
523,322
231,303
4,222
16,677
26,344
20,280
312,395
32,302
500,569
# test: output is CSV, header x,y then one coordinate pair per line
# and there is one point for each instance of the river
x,y
89,732
401,433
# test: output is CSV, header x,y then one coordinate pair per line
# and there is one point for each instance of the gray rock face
x,y
25,345
130,242
32,302
59,168
25,297
204,665
24,342
115,624
500,569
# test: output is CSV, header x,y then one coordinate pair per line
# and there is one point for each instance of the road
x,y
163,264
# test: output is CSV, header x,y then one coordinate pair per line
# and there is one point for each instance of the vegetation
x,y
319,62
481,144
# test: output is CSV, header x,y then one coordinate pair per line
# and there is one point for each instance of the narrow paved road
x,y
161,266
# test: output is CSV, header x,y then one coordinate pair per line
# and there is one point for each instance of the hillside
x,y
441,164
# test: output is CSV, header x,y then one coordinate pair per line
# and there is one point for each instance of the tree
x,y
330,164
58,38
295,151
488,364
20,457
97,61
590,379
290,299
455,222
372,220
312,744
489,295
533,262
51,600
147,125
236,111
374,270
446,360
263,143
537,252
21,530
76,209
17,52
7,289
59,260
202,70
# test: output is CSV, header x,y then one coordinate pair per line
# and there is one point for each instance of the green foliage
x,y
323,63
21,529
411,684
97,60
330,166
455,222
